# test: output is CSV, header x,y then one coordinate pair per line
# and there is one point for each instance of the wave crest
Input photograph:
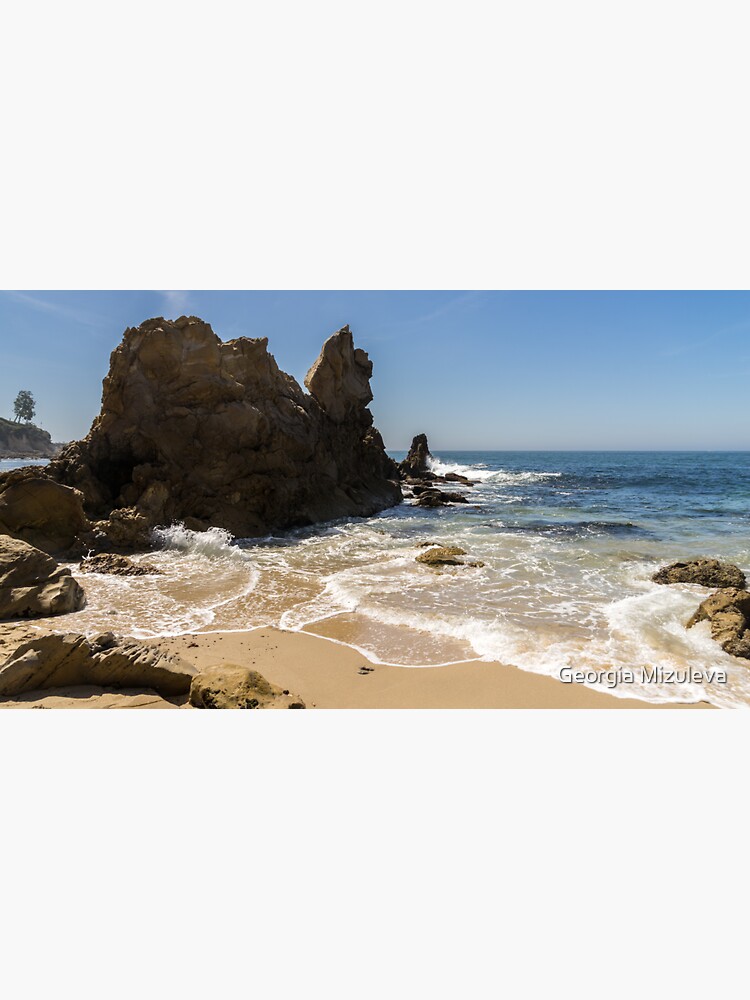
x,y
216,543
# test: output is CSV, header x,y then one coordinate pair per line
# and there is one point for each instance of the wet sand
x,y
326,674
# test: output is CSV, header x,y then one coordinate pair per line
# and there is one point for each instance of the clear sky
x,y
474,370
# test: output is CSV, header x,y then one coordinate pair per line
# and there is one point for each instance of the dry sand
x,y
328,674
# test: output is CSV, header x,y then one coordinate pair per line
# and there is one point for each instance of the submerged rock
x,y
438,498
32,585
706,572
445,555
728,613
229,686
193,429
108,562
442,555
61,661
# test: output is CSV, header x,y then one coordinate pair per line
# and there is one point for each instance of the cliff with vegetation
x,y
24,441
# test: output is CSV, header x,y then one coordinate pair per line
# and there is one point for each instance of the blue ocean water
x,y
569,542
6,464
667,496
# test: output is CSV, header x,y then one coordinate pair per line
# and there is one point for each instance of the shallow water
x,y
6,464
570,541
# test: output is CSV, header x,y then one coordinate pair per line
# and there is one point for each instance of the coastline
x,y
326,674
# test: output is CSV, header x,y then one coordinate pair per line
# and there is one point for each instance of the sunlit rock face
x,y
214,434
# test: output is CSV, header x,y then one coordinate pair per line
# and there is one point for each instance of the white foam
x,y
482,474
470,471
216,543
540,604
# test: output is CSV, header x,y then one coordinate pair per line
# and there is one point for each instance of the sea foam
x,y
216,543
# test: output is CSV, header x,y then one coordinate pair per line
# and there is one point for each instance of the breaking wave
x,y
216,543
566,580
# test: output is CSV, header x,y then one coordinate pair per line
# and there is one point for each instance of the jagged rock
x,y
229,686
40,511
438,498
454,477
212,433
416,463
61,661
442,555
340,378
728,613
32,585
125,529
706,572
108,562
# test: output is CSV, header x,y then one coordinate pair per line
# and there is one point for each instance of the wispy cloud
x,y
83,316
176,303
695,345
457,302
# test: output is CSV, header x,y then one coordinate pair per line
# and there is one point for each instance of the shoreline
x,y
328,674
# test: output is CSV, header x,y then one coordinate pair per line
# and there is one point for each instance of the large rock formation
x,y
32,585
214,434
417,462
705,572
417,473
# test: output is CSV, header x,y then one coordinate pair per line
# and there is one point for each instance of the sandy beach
x,y
326,674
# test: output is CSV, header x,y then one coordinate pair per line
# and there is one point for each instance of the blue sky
x,y
474,370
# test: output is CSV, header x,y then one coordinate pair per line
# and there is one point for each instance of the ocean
x,y
6,464
569,540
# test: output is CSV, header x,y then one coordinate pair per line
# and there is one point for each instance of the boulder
x,y
416,463
40,511
728,612
706,572
116,565
32,585
60,661
199,431
230,686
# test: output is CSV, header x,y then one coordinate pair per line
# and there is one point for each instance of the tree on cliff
x,y
24,406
